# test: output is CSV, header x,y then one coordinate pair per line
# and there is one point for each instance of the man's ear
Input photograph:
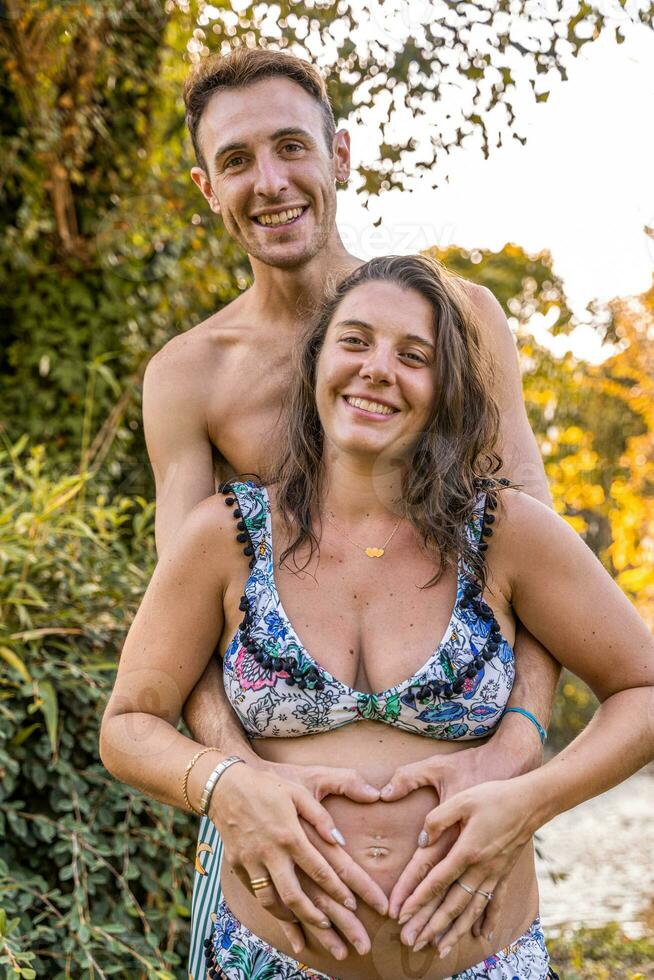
x,y
341,150
199,177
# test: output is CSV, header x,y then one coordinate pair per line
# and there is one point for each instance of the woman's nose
x,y
378,368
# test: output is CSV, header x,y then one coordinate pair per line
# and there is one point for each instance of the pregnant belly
x,y
382,838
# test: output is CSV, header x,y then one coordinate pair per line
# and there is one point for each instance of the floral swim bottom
x,y
234,952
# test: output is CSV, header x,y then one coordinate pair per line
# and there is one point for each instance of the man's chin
x,y
281,258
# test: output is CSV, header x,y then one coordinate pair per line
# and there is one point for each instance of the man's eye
x,y
234,160
293,146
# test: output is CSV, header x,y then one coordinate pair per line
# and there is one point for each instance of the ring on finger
x,y
473,891
258,883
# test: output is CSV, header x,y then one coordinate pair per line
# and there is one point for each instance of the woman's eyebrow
x,y
419,340
354,323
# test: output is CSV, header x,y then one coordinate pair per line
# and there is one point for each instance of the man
x,y
269,158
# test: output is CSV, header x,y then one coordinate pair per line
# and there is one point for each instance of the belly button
x,y
377,852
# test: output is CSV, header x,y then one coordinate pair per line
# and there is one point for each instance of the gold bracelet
x,y
211,748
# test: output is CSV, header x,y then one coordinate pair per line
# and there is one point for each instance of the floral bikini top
x,y
277,689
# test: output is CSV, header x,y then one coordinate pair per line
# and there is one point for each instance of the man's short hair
x,y
244,66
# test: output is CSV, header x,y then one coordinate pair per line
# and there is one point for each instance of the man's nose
x,y
271,179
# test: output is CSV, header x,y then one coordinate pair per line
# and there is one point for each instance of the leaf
x,y
14,661
50,710
24,734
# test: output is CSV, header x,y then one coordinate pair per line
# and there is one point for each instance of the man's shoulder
x,y
481,297
490,316
196,352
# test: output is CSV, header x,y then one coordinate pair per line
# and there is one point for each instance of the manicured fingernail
x,y
419,946
381,908
350,903
387,790
423,838
409,939
405,918
339,954
361,947
338,837
297,949
325,924
445,951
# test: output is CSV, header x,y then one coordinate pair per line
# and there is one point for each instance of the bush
x,y
93,876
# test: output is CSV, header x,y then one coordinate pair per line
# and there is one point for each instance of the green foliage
x,y
602,954
93,876
103,255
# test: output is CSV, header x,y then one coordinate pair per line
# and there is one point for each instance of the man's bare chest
x,y
245,406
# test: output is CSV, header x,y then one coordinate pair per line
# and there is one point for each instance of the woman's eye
x,y
418,358
351,340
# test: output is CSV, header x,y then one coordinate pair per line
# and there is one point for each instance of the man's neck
x,y
288,297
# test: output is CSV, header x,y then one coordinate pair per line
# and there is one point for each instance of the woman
x,y
384,530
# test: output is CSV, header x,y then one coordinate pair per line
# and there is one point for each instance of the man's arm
x,y
537,673
181,456
522,462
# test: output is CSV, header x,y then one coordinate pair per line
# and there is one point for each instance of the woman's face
x,y
374,378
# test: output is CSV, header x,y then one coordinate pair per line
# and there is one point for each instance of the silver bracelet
x,y
213,779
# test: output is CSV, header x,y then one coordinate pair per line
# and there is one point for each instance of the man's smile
x,y
283,218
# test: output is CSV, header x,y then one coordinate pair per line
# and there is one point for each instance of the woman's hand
x,y
258,813
495,822
324,781
513,750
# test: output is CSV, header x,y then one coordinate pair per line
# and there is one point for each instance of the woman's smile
x,y
370,408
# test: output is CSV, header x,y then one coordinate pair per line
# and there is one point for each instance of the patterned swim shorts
x,y
234,952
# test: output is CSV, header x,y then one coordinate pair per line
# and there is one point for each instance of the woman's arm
x,y
175,631
567,600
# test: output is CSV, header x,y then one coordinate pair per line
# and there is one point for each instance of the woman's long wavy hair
x,y
457,449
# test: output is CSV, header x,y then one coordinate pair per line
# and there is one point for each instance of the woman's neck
x,y
361,492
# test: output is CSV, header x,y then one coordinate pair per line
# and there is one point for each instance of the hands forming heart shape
x,y
476,833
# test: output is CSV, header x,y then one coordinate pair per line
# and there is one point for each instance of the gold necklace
x,y
370,552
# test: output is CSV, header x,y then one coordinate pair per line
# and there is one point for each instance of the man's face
x,y
271,174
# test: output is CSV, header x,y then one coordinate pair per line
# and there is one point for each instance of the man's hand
x,y
511,751
277,846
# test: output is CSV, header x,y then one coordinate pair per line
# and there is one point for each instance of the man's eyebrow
x,y
416,338
293,131
222,150
277,135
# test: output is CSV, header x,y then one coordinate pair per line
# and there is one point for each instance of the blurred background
x,y
508,138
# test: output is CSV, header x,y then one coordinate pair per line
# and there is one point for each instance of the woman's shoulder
x,y
525,528
209,529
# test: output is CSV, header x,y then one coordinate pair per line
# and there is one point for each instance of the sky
x,y
582,187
